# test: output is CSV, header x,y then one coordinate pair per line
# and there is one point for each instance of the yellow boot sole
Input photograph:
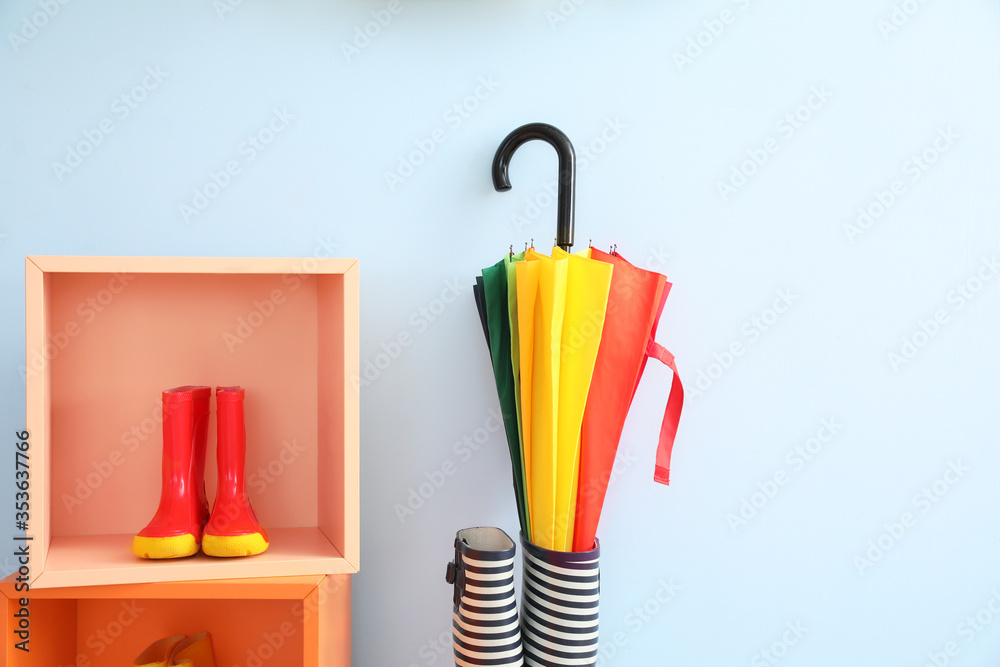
x,y
229,546
180,546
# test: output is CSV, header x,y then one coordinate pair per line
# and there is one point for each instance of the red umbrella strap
x,y
671,416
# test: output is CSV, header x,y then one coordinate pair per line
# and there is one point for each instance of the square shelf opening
x,y
106,335
280,621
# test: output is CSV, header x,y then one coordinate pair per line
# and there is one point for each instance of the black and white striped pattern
x,y
485,625
559,610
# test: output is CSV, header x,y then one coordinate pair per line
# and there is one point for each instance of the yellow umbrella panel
x,y
588,283
561,303
526,285
540,318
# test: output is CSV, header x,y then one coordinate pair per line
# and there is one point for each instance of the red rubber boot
x,y
233,529
176,528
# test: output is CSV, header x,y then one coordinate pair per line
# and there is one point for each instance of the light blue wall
x,y
679,128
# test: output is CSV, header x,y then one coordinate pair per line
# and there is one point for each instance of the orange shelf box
x,y
106,335
280,621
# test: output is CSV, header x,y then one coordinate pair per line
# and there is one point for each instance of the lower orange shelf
x,y
279,622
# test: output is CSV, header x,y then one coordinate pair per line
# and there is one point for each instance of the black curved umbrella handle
x,y
567,172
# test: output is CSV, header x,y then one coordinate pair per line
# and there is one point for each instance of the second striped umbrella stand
x,y
559,606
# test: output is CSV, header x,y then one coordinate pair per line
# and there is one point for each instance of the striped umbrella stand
x,y
485,629
559,608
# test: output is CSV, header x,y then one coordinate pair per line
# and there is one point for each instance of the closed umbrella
x,y
580,330
555,296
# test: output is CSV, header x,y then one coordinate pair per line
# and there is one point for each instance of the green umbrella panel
x,y
495,295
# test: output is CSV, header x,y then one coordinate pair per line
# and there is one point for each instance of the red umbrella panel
x,y
635,303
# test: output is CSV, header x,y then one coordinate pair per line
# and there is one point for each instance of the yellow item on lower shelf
x,y
195,651
158,653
